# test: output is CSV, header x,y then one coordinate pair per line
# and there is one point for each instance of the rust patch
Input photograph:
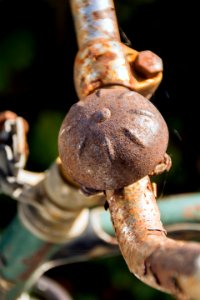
x,y
32,262
106,57
84,3
191,212
177,285
174,260
102,64
111,158
148,64
104,13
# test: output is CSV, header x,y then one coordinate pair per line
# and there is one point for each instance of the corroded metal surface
x,y
94,20
102,59
109,62
101,64
168,265
164,165
148,64
111,139
141,81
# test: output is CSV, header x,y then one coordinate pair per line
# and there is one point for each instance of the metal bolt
x,y
148,64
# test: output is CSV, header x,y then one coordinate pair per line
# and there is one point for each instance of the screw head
x,y
111,139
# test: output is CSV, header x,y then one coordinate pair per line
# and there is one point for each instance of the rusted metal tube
x,y
101,60
94,20
165,264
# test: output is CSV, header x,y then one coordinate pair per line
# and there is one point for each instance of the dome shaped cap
x,y
112,139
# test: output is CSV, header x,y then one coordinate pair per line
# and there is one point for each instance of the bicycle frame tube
x,y
39,230
21,253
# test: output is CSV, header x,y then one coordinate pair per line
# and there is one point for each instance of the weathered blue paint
x,y
21,253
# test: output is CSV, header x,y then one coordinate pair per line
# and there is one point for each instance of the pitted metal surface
x,y
148,64
111,139
94,20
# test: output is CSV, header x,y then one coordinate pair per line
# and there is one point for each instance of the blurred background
x,y
37,51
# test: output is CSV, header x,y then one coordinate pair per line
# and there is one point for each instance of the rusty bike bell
x,y
112,139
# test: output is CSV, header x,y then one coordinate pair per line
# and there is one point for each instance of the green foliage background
x,y
37,50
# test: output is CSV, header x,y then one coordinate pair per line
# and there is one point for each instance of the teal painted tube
x,y
21,253
173,209
180,208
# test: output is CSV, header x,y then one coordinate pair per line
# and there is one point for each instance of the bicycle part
x,y
117,64
6,115
168,265
148,64
55,214
26,297
93,242
46,219
49,289
46,289
111,139
24,256
20,254
163,263
175,211
13,150
13,136
147,74
23,252
102,59
184,231
187,203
